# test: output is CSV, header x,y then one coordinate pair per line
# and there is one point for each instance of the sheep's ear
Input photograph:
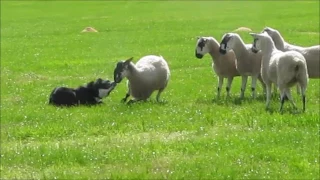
x,y
129,60
266,28
253,34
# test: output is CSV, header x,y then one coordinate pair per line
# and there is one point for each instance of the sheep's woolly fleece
x,y
89,29
242,29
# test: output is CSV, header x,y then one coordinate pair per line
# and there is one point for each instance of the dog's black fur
x,y
83,95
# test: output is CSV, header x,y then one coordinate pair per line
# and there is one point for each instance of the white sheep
x,y
222,65
282,68
311,54
149,74
247,62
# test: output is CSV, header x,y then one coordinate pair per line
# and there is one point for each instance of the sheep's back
x,y
154,74
153,66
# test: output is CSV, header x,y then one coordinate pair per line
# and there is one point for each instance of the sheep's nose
x,y
254,50
199,55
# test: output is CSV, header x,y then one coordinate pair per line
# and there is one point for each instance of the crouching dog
x,y
89,94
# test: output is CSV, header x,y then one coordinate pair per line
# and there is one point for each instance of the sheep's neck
x,y
240,48
279,42
267,51
133,70
214,50
282,45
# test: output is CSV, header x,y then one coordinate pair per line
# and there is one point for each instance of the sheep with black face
x,y
247,62
223,65
151,73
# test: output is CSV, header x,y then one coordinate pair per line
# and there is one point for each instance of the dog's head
x,y
103,87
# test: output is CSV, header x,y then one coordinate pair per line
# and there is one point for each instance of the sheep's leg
x,y
126,97
283,97
298,89
158,95
228,88
303,95
268,88
275,89
253,86
243,86
262,84
288,94
220,82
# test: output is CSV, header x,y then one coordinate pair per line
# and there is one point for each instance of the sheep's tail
x,y
291,71
301,72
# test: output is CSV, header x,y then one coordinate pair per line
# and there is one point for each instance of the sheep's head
x,y
227,42
201,47
271,32
121,70
258,40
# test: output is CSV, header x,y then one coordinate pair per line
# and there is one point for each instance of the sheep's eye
x,y
255,42
201,44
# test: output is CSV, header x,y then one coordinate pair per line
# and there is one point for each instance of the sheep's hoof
x,y
162,102
131,102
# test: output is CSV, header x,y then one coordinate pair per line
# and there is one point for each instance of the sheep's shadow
x,y
149,101
221,101
291,110
236,100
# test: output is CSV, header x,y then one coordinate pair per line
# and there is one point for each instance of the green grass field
x,y
191,136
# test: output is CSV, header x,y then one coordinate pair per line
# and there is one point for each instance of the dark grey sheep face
x,y
254,47
201,48
121,70
224,44
118,71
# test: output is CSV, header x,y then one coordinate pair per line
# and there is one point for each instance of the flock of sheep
x,y
269,59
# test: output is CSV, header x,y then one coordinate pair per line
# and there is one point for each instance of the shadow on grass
x,y
285,110
148,102
225,101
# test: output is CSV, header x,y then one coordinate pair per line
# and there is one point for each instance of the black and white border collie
x,y
90,94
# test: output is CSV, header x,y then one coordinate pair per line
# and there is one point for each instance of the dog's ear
x,y
90,84
99,81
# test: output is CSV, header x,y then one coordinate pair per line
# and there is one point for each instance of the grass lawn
x,y
192,135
